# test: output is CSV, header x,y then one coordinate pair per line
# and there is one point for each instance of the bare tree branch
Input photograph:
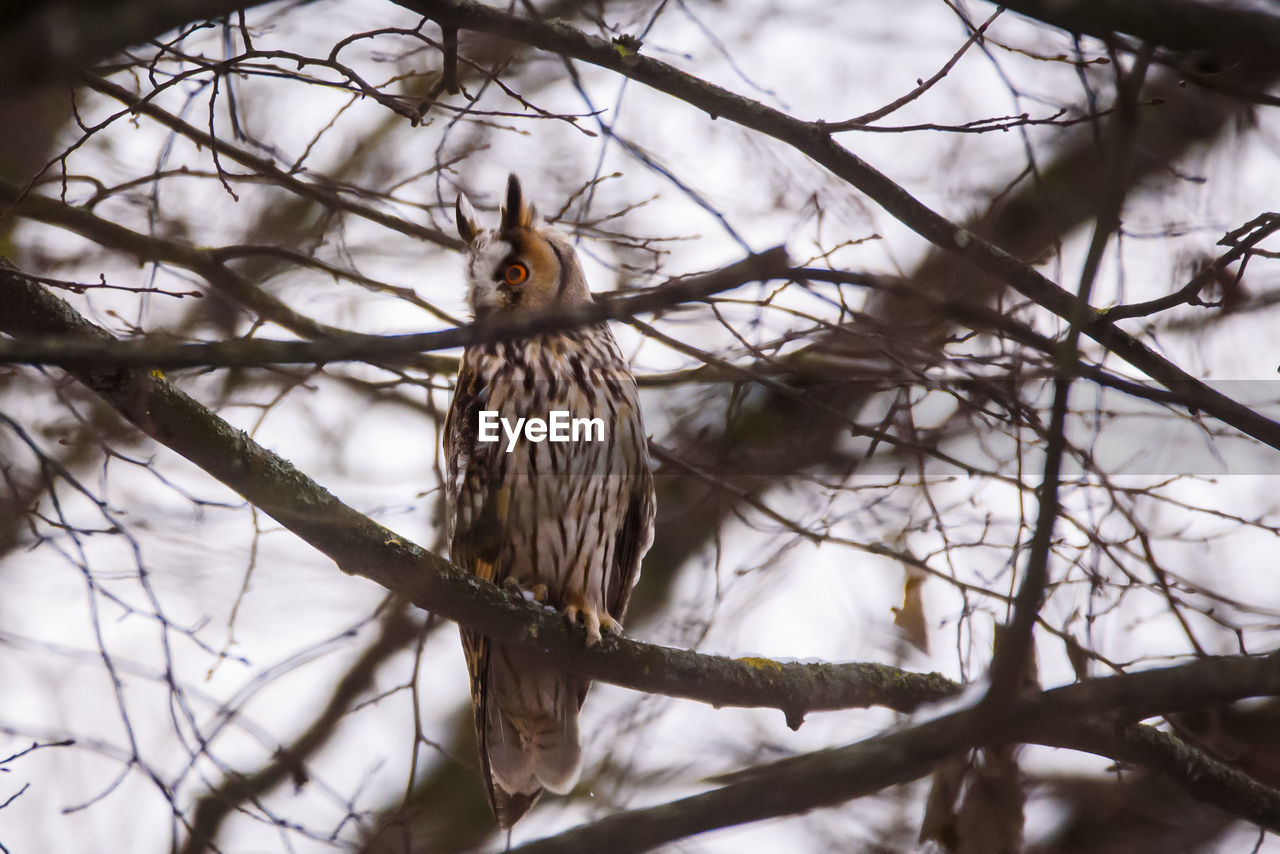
x,y
339,346
205,262
209,813
1013,649
314,190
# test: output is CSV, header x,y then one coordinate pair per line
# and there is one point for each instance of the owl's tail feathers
x,y
510,807
531,738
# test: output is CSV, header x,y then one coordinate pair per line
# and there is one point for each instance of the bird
x,y
562,523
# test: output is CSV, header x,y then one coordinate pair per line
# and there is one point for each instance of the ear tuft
x,y
465,216
517,213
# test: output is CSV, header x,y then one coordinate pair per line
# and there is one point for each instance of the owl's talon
x,y
589,619
537,591
593,621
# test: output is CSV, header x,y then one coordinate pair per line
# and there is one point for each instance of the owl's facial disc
x,y
519,270
490,290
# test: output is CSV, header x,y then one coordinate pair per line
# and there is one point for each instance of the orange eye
x,y
515,274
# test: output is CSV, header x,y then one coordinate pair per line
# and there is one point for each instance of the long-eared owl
x,y
564,522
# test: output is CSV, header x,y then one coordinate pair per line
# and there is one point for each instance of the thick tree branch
x,y
831,777
1088,716
362,547
1234,31
788,787
338,346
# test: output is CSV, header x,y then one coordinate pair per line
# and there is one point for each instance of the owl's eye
x,y
515,274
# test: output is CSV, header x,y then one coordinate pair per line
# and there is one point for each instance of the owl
x,y
565,522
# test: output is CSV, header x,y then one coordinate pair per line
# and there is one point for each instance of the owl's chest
x,y
551,374
543,409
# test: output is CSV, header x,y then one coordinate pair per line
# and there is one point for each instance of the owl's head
x,y
524,265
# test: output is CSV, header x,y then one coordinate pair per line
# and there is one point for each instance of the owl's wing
x,y
635,535
461,431
474,527
475,545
